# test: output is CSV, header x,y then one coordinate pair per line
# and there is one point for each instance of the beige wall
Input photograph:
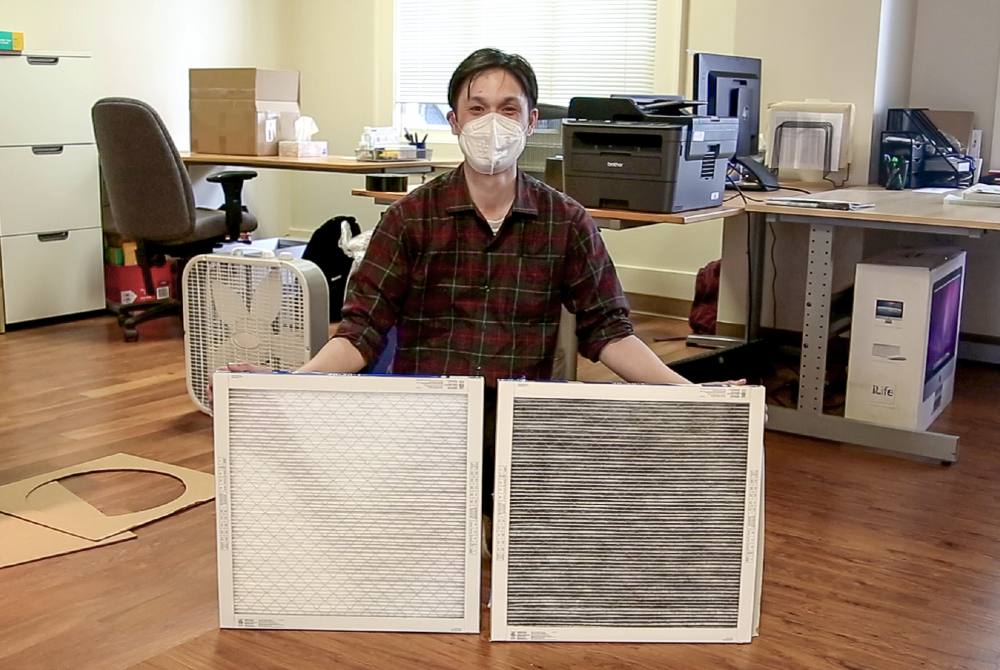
x,y
809,49
664,260
144,50
955,65
897,26
344,51
956,61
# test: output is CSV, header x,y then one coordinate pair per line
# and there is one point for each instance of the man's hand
x,y
236,367
244,367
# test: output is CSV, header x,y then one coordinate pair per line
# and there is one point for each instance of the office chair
x,y
151,199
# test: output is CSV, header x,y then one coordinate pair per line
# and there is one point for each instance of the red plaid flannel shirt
x,y
468,302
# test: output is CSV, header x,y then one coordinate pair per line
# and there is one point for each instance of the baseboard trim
x,y
658,305
729,329
979,348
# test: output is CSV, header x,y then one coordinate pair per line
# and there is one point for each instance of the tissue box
x,y
310,149
11,41
243,111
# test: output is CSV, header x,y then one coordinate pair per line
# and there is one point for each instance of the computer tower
x,y
904,336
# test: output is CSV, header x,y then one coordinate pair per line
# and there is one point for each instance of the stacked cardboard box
x,y
243,111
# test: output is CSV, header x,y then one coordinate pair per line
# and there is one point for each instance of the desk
x,y
623,219
893,210
620,219
342,164
612,219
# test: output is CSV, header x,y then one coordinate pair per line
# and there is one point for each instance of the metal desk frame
x,y
808,417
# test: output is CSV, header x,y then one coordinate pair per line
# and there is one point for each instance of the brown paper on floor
x,y
24,541
57,508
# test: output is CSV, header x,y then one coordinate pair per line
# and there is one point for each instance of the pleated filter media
x,y
628,513
348,502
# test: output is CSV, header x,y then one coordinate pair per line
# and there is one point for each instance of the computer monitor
x,y
731,87
942,330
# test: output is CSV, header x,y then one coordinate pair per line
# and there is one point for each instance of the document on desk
x,y
818,203
934,189
982,195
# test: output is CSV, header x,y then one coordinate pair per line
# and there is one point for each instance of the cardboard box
x,y
123,284
310,149
11,41
904,336
243,111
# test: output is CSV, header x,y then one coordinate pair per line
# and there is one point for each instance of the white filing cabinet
x,y
51,257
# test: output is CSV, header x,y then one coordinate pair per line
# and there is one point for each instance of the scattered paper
x,y
24,541
56,507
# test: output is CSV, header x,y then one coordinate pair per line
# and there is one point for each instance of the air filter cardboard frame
x,y
25,542
470,387
751,565
56,507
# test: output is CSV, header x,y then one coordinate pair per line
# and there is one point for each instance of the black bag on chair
x,y
324,250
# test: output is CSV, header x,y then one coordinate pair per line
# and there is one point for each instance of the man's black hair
x,y
490,59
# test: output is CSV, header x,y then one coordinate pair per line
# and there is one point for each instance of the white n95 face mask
x,y
492,143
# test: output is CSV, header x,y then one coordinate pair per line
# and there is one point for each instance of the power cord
x,y
774,239
774,278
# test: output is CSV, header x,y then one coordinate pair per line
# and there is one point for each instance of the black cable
x,y
739,191
749,276
774,278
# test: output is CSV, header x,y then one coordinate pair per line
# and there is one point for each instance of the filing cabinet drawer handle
x,y
43,60
53,237
47,149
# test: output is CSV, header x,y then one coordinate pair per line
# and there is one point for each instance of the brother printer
x,y
642,153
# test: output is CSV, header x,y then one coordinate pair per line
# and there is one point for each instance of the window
x,y
577,47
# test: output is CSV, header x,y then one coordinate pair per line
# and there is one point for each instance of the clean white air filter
x,y
628,513
273,312
348,502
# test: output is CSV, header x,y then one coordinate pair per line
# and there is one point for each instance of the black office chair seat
x,y
211,223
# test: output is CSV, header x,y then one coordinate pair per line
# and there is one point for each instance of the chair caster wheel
x,y
131,335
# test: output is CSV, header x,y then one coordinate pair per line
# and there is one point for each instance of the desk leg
x,y
936,446
757,239
757,242
816,320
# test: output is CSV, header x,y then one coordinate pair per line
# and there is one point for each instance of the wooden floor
x,y
871,561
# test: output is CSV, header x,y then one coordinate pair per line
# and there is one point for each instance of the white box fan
x,y
266,310
628,513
